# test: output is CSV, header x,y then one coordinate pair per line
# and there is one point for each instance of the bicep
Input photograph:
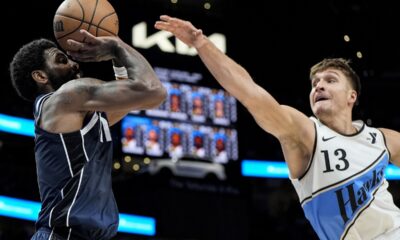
x,y
114,96
279,120
294,130
114,117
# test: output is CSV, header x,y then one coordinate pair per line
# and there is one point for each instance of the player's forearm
x,y
233,77
138,69
136,65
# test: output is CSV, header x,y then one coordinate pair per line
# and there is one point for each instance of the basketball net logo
x,y
58,26
161,39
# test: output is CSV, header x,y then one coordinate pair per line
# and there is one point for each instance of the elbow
x,y
161,95
157,96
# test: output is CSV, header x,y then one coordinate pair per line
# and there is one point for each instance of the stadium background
x,y
276,42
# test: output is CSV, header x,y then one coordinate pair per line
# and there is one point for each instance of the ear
x,y
39,76
353,96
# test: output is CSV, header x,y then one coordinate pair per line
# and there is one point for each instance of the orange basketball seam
x,y
70,17
101,20
93,14
82,21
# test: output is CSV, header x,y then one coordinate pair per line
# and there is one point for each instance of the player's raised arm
x,y
294,130
141,90
233,77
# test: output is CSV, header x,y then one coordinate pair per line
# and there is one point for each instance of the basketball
x,y
96,16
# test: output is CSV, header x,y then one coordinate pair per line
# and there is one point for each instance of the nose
x,y
320,86
74,65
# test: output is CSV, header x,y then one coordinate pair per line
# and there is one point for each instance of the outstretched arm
x,y
293,129
269,114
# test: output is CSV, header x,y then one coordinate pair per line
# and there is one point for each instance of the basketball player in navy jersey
x,y
72,117
336,164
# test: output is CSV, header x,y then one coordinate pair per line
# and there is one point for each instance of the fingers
x,y
183,30
170,24
165,17
81,47
88,39
176,22
167,20
164,24
76,55
198,32
161,25
81,57
75,45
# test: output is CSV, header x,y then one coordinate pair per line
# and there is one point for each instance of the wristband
x,y
120,72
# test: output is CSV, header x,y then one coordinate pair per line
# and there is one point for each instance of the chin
x,y
318,111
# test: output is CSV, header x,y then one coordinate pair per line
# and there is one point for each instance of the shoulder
x,y
78,86
392,141
75,91
390,135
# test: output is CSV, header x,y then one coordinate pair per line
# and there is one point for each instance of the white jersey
x,y
344,191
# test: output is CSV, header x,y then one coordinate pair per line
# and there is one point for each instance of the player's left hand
x,y
92,48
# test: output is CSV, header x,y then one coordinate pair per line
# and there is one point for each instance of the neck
x,y
341,124
45,88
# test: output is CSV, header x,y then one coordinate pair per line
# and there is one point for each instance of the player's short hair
x,y
342,65
29,57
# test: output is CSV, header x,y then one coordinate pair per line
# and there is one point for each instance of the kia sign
x,y
162,39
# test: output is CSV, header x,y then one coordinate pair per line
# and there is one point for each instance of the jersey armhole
x,y
313,152
384,142
39,107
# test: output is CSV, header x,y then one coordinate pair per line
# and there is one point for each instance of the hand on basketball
x,y
183,30
92,49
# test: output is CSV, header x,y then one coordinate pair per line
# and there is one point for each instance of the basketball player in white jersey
x,y
336,164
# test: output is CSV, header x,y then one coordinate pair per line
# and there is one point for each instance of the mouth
x,y
320,98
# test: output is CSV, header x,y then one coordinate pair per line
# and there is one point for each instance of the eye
x,y
62,59
314,82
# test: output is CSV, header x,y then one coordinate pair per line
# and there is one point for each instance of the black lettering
x,y
374,181
362,194
327,162
342,202
379,176
373,135
58,26
359,197
342,158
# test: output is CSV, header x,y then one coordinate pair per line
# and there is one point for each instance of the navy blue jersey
x,y
74,177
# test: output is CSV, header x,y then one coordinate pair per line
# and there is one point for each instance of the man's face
x,y
198,102
153,135
176,139
129,133
331,93
198,142
220,145
175,103
59,68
